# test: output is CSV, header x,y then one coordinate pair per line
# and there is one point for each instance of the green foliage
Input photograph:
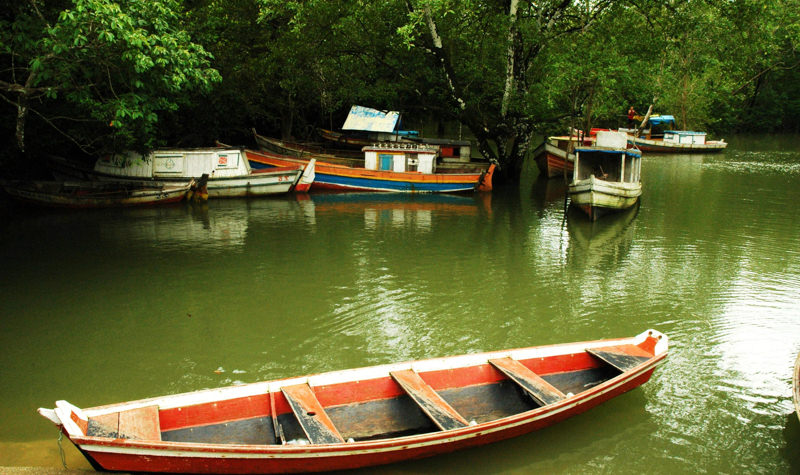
x,y
118,64
291,66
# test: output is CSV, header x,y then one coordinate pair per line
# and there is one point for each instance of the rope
x,y
61,450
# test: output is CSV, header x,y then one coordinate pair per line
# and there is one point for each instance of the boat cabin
x,y
400,157
684,137
609,160
608,165
449,149
657,125
215,162
664,127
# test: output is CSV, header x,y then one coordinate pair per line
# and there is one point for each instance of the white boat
x,y
661,137
229,173
606,176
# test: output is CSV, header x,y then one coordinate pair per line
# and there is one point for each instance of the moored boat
x,y
552,160
606,176
229,172
361,417
555,157
304,150
92,194
390,167
451,154
662,137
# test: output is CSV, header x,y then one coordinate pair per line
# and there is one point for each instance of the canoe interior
x,y
365,410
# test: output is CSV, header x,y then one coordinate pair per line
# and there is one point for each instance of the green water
x,y
107,306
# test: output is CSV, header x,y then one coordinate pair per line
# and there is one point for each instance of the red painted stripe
x,y
215,412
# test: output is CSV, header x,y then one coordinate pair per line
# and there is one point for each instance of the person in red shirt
x,y
631,117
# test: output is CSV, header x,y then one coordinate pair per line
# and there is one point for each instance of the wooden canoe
x,y
91,194
361,417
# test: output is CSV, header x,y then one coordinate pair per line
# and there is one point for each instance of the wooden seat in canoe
x,y
315,422
141,423
621,357
431,403
540,390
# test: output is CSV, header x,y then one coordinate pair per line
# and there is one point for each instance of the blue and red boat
x,y
390,167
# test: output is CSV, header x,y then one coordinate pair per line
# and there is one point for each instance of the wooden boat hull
x,y
301,150
256,183
598,197
249,183
553,162
332,176
94,195
659,146
236,429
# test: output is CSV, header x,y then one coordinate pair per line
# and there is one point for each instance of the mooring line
x,y
61,450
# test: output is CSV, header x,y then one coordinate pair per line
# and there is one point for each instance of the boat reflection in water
x,y
545,191
223,224
595,241
183,227
398,209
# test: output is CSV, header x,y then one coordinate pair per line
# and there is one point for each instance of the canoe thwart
x,y
431,403
141,424
622,357
315,422
540,390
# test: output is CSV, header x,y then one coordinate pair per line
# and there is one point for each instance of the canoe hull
x,y
175,458
185,425
122,197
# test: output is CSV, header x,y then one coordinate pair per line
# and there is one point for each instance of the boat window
x,y
631,169
386,161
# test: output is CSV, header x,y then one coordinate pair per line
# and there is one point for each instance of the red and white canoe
x,y
361,417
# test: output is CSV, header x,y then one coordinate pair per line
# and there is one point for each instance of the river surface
x,y
108,306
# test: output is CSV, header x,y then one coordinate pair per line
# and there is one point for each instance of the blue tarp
x,y
631,152
661,120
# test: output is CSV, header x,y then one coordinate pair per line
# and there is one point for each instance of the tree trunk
x,y
22,114
510,56
22,110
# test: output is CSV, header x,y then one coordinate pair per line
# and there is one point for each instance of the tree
x,y
492,57
99,71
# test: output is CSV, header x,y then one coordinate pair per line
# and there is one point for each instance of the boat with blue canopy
x,y
663,136
607,176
